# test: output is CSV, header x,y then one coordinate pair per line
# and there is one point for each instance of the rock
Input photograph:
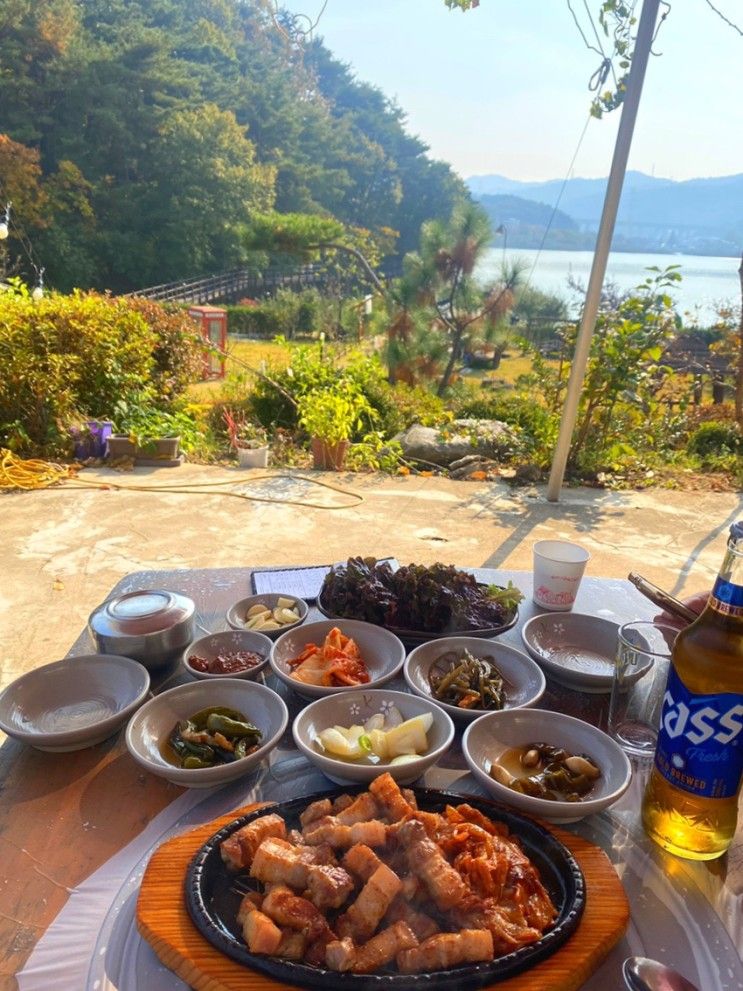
x,y
527,474
474,468
442,446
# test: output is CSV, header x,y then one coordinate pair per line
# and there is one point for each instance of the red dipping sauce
x,y
229,662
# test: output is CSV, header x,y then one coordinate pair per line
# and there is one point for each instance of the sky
x,y
504,88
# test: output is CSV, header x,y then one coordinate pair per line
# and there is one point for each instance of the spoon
x,y
641,974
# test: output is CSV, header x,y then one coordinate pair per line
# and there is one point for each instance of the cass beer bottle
x,y
691,801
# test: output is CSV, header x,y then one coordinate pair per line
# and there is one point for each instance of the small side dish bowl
x,y
353,708
236,615
486,739
382,651
226,643
150,728
575,649
74,703
525,682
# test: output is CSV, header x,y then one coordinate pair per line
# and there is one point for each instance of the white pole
x,y
643,43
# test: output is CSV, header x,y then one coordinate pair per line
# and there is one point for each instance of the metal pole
x,y
645,32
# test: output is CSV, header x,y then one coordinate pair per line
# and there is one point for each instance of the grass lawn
x,y
255,354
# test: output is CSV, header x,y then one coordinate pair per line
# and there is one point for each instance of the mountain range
x,y
696,216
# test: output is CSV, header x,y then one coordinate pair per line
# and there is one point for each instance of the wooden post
x,y
739,373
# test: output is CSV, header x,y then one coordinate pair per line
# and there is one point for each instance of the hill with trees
x,y
138,137
697,216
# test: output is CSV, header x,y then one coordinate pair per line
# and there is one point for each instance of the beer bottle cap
x,y
736,530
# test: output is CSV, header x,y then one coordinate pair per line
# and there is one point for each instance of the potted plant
x,y
249,440
330,417
152,435
90,438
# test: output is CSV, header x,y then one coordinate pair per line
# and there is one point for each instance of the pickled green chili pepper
x,y
217,735
217,723
191,763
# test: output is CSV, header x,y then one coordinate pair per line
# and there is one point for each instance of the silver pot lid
x,y
141,612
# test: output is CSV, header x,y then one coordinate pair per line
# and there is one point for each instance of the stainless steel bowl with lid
x,y
152,626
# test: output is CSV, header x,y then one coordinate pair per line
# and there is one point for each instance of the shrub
x,y
312,368
179,350
317,368
64,357
713,439
287,313
537,426
400,406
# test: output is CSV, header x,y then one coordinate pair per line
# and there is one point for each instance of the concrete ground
x,y
66,547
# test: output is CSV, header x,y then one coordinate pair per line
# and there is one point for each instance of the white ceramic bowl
x,y
236,614
217,643
575,649
486,739
152,725
74,703
352,708
383,653
525,680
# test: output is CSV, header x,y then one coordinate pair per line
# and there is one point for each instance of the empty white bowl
x,y
524,679
352,708
488,737
220,643
575,649
236,614
74,703
151,726
382,651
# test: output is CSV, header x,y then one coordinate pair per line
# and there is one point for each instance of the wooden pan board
x,y
163,920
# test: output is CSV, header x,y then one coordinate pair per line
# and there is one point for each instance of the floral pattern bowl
x,y
353,708
575,649
214,644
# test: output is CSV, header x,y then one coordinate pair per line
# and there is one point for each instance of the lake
x,y
706,280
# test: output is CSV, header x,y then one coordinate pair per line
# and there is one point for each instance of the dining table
x,y
77,829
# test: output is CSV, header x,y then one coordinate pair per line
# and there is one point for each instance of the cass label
x,y
699,744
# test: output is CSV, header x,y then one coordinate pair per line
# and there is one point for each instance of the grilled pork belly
x,y
427,862
338,835
238,850
328,887
363,917
447,950
344,955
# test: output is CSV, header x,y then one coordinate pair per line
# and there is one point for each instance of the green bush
x,y
313,367
400,406
317,368
179,351
288,313
537,426
67,357
713,439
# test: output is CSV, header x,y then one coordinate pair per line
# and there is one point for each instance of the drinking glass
x,y
638,686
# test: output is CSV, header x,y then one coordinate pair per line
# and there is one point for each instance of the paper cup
x,y
558,569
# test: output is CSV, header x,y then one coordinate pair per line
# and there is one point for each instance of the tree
x,y
444,272
730,343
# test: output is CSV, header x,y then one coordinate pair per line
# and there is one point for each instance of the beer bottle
x,y
691,800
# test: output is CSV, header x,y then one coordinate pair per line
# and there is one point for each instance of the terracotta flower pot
x,y
329,457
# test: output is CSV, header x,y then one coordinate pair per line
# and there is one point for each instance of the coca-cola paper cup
x,y
558,569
